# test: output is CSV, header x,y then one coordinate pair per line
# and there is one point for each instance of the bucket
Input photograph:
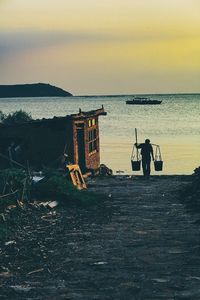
x,y
158,165
136,165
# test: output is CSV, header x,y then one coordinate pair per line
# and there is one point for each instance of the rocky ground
x,y
140,243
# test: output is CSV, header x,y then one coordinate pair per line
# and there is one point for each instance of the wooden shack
x,y
43,143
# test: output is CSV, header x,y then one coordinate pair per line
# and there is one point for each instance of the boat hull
x,y
143,102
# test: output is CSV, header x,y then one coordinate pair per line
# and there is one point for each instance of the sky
x,y
102,47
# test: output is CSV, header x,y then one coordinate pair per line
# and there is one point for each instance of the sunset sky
x,y
102,47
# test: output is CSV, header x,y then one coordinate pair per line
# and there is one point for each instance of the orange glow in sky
x,y
102,47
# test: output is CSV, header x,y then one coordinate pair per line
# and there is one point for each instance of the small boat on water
x,y
143,101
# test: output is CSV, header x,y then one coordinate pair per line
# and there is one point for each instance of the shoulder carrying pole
x,y
136,143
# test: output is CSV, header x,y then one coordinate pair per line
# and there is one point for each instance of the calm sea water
x,y
174,125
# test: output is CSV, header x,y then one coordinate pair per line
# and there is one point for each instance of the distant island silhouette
x,y
32,90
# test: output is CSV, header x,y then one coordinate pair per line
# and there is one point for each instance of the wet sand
x,y
140,243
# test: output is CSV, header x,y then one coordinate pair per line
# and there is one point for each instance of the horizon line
x,y
141,94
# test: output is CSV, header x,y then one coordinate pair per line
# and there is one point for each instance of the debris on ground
x,y
136,243
105,171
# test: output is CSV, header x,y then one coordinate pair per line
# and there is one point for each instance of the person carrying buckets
x,y
147,153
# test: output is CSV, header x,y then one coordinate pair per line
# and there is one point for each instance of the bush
x,y
191,194
57,187
2,116
197,173
12,180
17,117
195,186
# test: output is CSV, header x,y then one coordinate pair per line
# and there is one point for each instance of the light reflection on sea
x,y
174,125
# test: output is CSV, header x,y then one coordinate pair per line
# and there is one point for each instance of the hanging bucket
x,y
158,163
135,159
136,165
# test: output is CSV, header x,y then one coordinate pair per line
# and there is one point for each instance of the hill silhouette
x,y
32,90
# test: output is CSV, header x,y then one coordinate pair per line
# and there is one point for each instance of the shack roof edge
x,y
80,115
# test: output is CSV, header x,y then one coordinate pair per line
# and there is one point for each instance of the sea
x,y
174,125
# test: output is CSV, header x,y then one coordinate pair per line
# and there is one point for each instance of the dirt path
x,y
141,244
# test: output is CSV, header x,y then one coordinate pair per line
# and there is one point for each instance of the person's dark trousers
x,y
146,167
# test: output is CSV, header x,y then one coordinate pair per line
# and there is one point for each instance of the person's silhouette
x,y
146,152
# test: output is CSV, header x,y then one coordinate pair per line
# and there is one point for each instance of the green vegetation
x,y
56,186
17,187
17,117
14,185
